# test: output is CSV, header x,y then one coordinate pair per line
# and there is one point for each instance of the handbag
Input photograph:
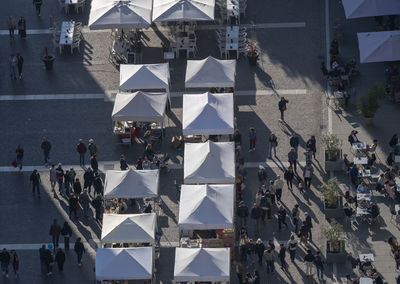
x,y
14,163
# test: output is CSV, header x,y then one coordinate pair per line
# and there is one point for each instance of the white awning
x,y
202,264
370,8
124,14
183,10
379,46
210,72
206,207
139,106
131,184
144,76
128,228
210,162
208,114
124,263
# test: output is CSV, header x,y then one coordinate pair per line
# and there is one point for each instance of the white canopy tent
x,y
202,264
124,263
379,46
124,14
210,72
131,184
210,162
370,8
208,114
206,207
139,106
183,10
128,228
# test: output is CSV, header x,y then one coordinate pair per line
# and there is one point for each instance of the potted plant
x,y
252,53
333,202
335,245
369,102
48,59
333,152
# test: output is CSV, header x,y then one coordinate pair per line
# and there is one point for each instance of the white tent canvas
x,y
210,72
131,184
128,228
210,162
183,10
139,106
370,8
109,14
206,207
208,114
124,263
202,264
379,46
144,76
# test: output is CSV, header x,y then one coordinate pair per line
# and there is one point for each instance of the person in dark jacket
x,y
97,185
19,156
394,143
22,27
94,163
312,144
37,4
5,259
252,135
309,260
281,217
81,149
273,143
15,262
237,138
123,164
66,231
55,231
73,205
262,175
260,248
79,249
84,199
59,177
319,265
92,148
292,157
353,137
60,259
243,213
97,203
308,221
67,182
20,64
282,107
294,142
288,176
41,256
255,215
46,147
48,261
77,187
282,255
88,178
35,182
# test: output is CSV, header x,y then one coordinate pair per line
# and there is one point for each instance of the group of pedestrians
x,y
8,258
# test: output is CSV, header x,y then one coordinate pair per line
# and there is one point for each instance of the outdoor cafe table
x,y
364,196
361,161
232,39
364,173
232,9
397,181
359,146
364,256
366,280
397,159
362,211
67,34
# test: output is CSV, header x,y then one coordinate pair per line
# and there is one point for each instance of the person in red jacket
x,y
81,149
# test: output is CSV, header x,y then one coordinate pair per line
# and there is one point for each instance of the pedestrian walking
x,y
312,144
77,187
309,225
92,147
67,183
255,215
73,205
55,231
85,201
294,142
88,177
292,157
20,63
281,217
273,143
288,176
97,184
97,204
5,259
269,258
38,4
308,172
41,256
296,217
239,270
292,246
237,138
271,191
262,175
35,182
79,250
12,66
123,164
243,213
11,26
243,249
309,261
251,251
278,185
22,27
48,261
252,139
19,156
256,277
72,176
66,231
304,232
46,147
282,255
319,265
60,259
60,177
52,177
81,149
15,262
308,155
282,107
260,248
94,163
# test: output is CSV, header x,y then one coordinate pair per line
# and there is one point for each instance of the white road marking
x,y
52,97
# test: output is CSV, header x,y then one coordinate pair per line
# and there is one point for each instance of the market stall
x,y
125,264
379,46
128,229
209,162
202,264
135,113
210,73
370,8
183,10
208,114
206,215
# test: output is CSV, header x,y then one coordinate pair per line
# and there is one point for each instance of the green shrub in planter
x,y
331,192
332,145
369,102
334,235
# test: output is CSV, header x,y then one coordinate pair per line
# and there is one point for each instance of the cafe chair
x,y
75,44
